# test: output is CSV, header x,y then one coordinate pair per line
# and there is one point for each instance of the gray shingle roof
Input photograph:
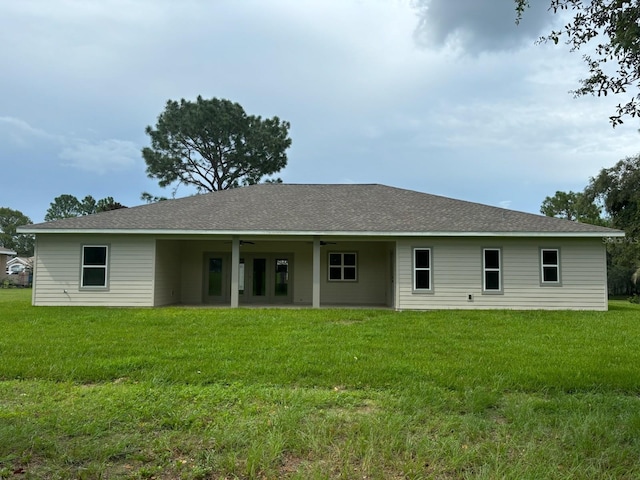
x,y
289,208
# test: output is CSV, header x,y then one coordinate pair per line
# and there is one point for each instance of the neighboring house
x,y
4,254
321,245
18,265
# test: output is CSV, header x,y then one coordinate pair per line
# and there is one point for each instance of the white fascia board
x,y
17,260
613,233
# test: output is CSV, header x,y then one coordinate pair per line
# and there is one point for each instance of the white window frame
x,y
556,265
416,269
486,269
105,267
342,267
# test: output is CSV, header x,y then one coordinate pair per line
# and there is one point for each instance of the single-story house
x,y
19,264
5,253
321,245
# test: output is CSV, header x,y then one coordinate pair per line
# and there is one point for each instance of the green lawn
x,y
283,393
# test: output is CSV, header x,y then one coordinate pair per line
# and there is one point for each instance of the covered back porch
x,y
261,271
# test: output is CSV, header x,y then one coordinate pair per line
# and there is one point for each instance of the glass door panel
x,y
281,284
265,278
215,277
259,277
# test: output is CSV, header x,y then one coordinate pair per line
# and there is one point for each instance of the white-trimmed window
x,y
343,267
95,266
422,269
491,270
550,266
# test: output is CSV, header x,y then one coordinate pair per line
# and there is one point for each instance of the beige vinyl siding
x,y
147,270
167,273
58,271
457,273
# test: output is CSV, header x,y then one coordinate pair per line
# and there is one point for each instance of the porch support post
x,y
396,275
235,267
316,273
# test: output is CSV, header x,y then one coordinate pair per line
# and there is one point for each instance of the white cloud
x,y
101,157
22,133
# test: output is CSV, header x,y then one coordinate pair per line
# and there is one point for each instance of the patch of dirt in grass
x,y
499,419
367,407
346,322
290,464
116,381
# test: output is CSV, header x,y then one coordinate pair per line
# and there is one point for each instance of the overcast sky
x,y
444,96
